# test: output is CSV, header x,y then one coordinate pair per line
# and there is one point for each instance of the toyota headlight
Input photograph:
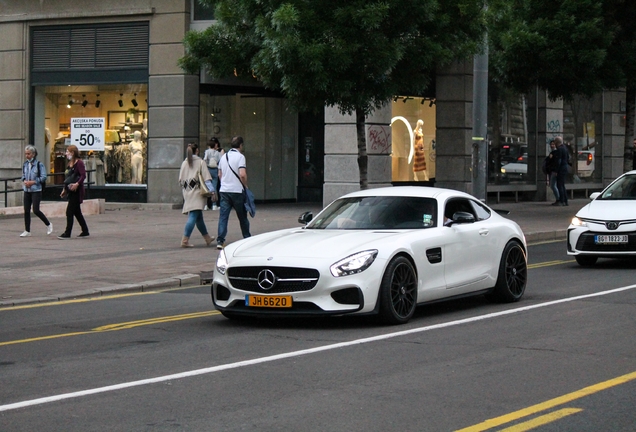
x,y
578,222
353,264
221,262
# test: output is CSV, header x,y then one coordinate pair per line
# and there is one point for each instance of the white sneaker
x,y
49,229
25,234
215,207
206,208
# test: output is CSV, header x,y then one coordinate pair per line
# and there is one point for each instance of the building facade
x,y
118,60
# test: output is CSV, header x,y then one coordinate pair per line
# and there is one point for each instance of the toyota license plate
x,y
268,301
608,239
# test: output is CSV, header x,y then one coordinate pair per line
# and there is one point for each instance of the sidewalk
x,y
132,249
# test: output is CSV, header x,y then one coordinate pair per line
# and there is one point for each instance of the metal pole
x,y
480,123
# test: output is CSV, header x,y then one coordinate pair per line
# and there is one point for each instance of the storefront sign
x,y
88,133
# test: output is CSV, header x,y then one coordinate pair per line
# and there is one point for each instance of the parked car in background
x,y
377,251
585,163
606,227
517,170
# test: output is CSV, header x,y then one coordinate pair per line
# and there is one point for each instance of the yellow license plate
x,y
268,301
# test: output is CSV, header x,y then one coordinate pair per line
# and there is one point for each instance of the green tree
x,y
566,47
354,54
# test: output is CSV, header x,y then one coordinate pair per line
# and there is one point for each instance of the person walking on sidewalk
x,y
563,157
233,175
552,168
74,177
194,168
212,156
33,178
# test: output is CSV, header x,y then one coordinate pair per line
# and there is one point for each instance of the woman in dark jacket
x,y
75,175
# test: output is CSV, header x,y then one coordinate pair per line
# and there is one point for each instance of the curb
x,y
543,236
184,280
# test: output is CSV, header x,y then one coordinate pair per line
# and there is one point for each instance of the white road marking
x,y
49,399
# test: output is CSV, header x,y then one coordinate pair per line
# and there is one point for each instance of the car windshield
x,y
622,189
378,212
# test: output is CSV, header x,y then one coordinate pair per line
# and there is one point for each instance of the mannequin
x,y
419,161
136,158
144,129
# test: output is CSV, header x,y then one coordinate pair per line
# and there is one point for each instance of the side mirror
x,y
305,218
463,217
594,196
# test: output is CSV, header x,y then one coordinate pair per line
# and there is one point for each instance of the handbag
x,y
212,163
205,189
248,196
72,176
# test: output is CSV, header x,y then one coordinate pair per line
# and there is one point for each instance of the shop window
x,y
413,139
123,162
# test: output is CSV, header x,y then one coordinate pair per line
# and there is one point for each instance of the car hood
x,y
609,210
311,243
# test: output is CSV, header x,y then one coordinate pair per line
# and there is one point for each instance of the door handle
x,y
483,232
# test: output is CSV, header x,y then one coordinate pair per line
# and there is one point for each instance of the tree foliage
x,y
354,54
566,47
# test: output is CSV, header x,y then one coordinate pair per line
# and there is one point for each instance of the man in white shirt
x,y
233,175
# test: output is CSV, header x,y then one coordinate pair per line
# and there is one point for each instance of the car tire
x,y
512,276
586,260
398,292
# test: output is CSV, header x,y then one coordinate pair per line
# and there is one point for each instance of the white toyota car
x,y
606,227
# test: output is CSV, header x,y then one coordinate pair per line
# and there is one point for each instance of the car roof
x,y
410,191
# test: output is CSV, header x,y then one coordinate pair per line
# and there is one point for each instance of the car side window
x,y
455,205
481,211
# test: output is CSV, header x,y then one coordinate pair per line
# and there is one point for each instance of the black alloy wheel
x,y
513,274
398,292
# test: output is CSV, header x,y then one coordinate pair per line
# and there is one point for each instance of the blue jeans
x,y
195,217
553,185
560,181
231,200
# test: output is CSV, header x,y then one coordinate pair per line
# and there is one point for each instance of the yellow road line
x,y
587,391
542,420
549,263
114,327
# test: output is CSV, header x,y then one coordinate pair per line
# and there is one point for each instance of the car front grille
x,y
285,279
586,243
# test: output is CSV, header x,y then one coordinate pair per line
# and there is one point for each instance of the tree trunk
x,y
363,160
630,108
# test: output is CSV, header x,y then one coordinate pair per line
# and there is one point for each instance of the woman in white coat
x,y
193,201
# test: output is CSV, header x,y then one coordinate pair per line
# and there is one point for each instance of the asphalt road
x,y
564,358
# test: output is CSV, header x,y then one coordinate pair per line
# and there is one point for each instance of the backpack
x,y
545,166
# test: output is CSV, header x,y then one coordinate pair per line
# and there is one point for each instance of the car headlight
x,y
221,262
353,264
578,222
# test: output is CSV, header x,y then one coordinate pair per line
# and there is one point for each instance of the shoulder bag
x,y
206,188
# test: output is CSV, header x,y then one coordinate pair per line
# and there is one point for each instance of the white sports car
x,y
377,251
606,226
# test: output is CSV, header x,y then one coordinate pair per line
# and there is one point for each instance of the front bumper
x,y
581,241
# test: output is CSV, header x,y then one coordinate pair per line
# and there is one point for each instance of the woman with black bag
x,y
75,175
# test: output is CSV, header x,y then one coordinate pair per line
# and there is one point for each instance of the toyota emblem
x,y
266,279
612,225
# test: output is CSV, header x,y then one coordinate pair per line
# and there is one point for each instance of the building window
x,y
201,12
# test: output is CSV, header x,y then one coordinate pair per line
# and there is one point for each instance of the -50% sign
x,y
88,133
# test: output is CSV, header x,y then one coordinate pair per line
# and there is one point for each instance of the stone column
x,y
341,152
454,101
13,115
173,102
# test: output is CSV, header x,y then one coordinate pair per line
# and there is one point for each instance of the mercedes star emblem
x,y
266,279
